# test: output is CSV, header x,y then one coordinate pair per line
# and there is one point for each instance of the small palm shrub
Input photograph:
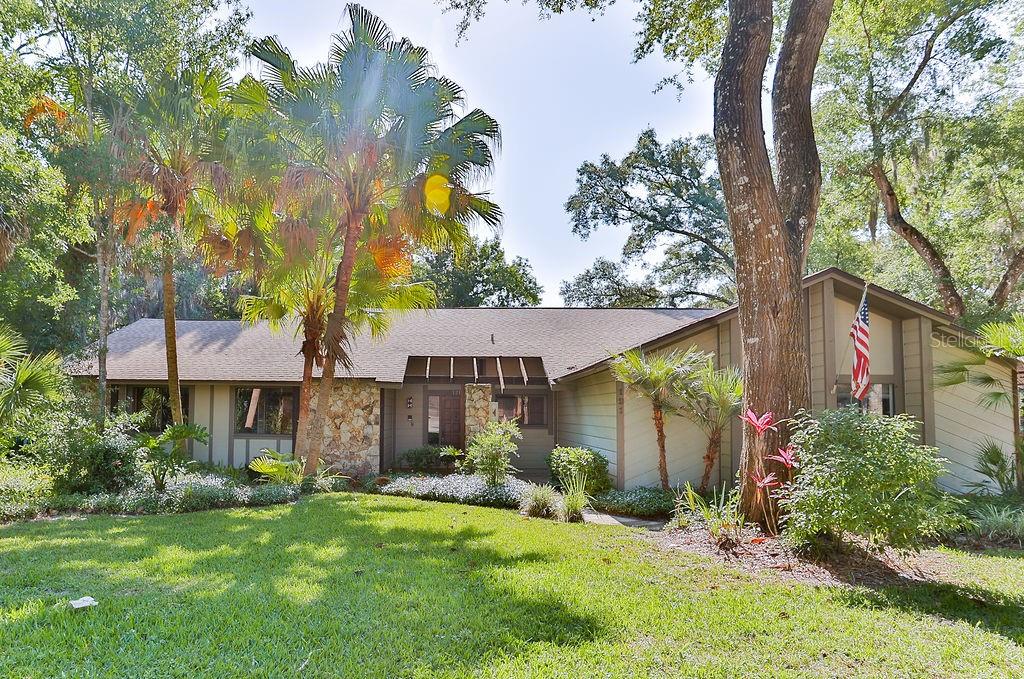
x,y
164,455
992,463
574,496
280,468
998,523
490,452
865,475
541,502
721,514
565,460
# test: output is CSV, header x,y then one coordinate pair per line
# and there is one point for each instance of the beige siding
x,y
961,424
202,396
685,442
816,346
409,424
388,421
725,360
220,429
586,416
882,342
913,382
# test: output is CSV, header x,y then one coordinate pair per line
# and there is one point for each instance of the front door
x,y
453,421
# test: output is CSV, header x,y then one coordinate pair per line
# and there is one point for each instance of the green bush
x,y
564,460
461,488
644,503
574,495
866,475
721,514
428,458
1001,523
490,452
23,490
540,502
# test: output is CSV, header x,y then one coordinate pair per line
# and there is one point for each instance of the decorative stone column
x,y
352,427
478,408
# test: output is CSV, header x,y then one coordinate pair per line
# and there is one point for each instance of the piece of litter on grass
x,y
84,602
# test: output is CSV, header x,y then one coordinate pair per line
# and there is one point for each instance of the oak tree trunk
x,y
171,337
335,342
710,456
659,428
771,222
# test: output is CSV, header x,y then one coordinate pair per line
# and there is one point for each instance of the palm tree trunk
x,y
305,395
714,444
335,340
103,275
171,337
659,427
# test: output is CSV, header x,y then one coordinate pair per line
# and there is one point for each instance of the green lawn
x,y
359,585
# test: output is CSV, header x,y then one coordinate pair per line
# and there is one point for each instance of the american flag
x,y
860,377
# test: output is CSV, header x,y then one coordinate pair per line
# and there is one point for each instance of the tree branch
x,y
951,298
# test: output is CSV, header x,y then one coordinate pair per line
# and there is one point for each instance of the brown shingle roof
x,y
566,340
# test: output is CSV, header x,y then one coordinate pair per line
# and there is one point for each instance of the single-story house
x,y
439,375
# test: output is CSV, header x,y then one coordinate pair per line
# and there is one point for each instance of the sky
x,y
564,90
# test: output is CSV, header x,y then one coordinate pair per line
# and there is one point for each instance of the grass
x,y
361,585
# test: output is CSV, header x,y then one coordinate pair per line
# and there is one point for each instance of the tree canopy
x,y
480,275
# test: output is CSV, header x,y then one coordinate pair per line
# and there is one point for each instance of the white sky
x,y
564,90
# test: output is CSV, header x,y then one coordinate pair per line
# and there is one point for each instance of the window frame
x,y
889,392
120,389
236,434
523,396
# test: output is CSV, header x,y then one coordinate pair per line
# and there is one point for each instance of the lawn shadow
x,y
337,586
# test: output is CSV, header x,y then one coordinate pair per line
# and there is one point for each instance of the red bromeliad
x,y
766,481
786,456
760,424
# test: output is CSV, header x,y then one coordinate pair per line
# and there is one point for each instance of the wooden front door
x,y
452,420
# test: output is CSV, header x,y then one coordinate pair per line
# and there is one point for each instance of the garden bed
x,y
467,489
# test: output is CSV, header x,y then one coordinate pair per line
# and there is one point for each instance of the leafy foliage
x,y
25,381
641,502
23,489
670,199
489,453
278,468
564,461
460,488
998,523
428,458
540,501
992,463
478,275
164,455
866,475
574,495
721,514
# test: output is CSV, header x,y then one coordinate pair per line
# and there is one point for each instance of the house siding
x,y
962,424
587,417
686,443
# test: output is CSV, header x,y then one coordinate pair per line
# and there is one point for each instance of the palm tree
x,y
302,298
657,378
373,134
711,399
25,381
177,128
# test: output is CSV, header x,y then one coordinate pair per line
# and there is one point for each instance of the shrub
x,y
23,490
274,467
490,452
81,459
564,460
865,474
721,514
460,488
540,502
998,522
272,495
163,453
644,503
428,458
574,495
992,463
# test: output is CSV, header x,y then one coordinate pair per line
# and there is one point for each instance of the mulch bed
x,y
852,565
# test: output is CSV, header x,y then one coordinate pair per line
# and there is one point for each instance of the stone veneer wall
x,y
478,408
352,426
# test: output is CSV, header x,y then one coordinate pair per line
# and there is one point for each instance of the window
x,y
267,411
530,411
433,419
844,397
150,399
